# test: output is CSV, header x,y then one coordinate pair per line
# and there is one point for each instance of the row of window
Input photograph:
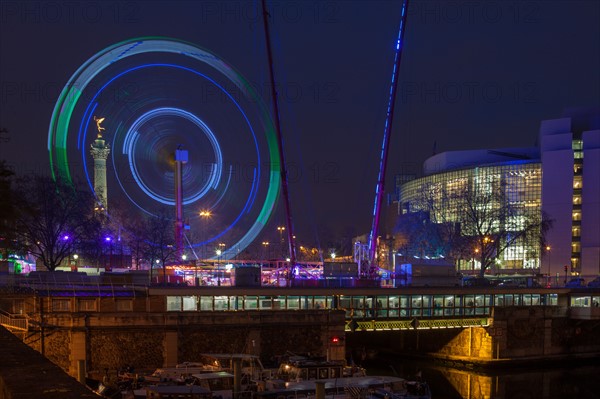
x,y
88,305
380,306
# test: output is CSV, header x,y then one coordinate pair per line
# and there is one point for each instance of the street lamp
x,y
157,263
548,248
205,214
219,267
108,240
476,254
75,257
265,245
281,229
333,256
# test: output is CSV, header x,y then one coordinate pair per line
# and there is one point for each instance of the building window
x,y
61,305
124,305
86,305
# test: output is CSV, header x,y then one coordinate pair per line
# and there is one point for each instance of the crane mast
x,y
379,189
282,167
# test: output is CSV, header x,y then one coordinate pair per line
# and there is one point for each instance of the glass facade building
x,y
559,180
519,183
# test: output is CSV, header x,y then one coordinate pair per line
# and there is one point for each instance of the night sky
x,y
474,74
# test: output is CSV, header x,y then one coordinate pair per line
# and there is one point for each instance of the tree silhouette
x,y
52,218
160,240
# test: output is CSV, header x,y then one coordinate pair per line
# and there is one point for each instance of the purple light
x,y
65,237
107,239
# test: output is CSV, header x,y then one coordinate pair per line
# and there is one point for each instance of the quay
x,y
109,325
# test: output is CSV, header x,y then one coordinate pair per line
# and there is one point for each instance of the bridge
x,y
366,308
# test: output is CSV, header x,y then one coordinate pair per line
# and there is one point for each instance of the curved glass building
x,y
560,179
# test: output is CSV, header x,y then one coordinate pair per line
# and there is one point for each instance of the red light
x,y
335,340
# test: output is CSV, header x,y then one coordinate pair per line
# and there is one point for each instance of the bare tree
x,y
160,240
52,218
482,219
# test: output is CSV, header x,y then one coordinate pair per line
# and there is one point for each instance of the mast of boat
x,y
379,189
282,167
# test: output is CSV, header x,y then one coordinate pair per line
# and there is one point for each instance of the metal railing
x,y
69,285
14,322
383,325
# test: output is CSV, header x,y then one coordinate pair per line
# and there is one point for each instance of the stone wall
x,y
151,340
112,349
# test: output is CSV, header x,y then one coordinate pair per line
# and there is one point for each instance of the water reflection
x,y
577,381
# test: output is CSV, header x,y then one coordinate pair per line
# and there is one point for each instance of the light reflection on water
x,y
565,382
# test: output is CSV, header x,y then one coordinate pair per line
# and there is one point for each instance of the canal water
x,y
566,381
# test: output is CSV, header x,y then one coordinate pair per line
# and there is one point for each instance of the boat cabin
x,y
219,383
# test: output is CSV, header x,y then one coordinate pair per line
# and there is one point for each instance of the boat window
x,y
499,300
265,302
279,302
345,302
206,303
427,303
531,300
580,301
551,299
323,372
293,302
190,303
448,304
221,303
358,306
331,302
438,304
320,302
235,303
304,374
250,302
517,300
306,302
416,302
173,304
